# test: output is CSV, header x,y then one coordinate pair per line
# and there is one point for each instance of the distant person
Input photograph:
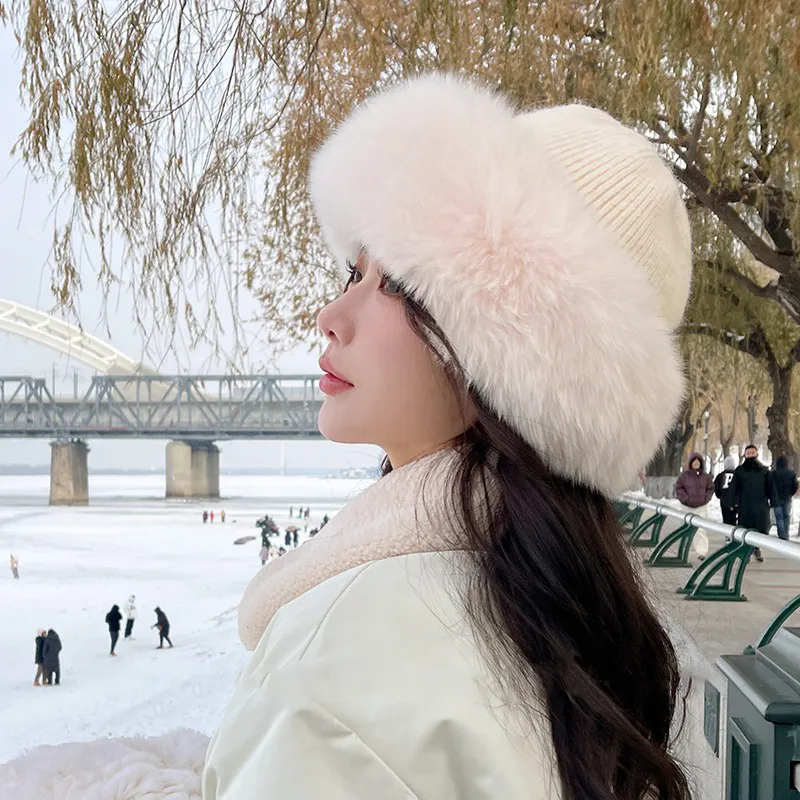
x,y
722,489
307,512
295,538
785,481
264,554
281,551
211,517
162,623
291,511
130,615
753,493
15,567
52,658
287,539
694,489
205,517
113,618
313,532
325,520
39,657
222,515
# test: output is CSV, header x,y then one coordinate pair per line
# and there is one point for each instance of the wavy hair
x,y
555,597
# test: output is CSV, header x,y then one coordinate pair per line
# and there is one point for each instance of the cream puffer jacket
x,y
367,682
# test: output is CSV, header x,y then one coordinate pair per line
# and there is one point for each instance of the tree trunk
x,y
726,436
752,417
668,459
779,442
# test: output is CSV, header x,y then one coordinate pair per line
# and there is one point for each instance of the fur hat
x,y
552,248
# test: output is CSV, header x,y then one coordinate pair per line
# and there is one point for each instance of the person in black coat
x,y
52,659
162,623
39,657
785,489
113,618
753,493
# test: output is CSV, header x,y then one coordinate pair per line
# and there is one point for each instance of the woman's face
x,y
382,384
696,464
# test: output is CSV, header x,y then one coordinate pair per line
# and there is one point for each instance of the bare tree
x,y
184,129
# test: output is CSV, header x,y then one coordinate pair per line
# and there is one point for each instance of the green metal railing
x,y
721,575
759,734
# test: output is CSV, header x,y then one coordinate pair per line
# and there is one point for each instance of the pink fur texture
x,y
160,768
559,329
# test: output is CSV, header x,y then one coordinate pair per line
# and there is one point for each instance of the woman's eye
x,y
390,286
355,276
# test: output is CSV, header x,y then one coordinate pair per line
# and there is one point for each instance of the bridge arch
x,y
36,326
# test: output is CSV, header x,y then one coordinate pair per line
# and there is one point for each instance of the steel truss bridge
x,y
185,407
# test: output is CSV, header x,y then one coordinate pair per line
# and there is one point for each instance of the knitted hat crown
x,y
552,248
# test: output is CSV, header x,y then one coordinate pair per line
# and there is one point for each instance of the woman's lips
x,y
331,385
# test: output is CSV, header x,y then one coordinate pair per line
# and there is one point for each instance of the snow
x,y
75,563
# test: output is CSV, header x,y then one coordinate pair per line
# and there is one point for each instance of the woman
x,y
39,657
52,659
162,623
130,616
471,625
694,488
113,620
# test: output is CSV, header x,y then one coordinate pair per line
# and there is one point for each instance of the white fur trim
x,y
559,329
158,768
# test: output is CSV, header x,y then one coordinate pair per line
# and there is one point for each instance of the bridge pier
x,y
69,473
192,469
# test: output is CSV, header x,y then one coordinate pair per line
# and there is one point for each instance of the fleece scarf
x,y
402,513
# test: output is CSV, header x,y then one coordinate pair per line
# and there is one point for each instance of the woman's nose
x,y
334,322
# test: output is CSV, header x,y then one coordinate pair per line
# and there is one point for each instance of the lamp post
x,y
706,415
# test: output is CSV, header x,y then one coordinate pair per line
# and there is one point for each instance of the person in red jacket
x,y
694,489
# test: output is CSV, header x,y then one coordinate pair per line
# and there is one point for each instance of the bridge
x,y
132,400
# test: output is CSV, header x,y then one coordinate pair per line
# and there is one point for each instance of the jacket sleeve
x,y
794,484
680,489
292,747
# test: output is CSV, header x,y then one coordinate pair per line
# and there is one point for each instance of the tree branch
x,y
691,150
768,291
699,185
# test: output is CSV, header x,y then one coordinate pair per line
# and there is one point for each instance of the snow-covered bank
x,y
76,563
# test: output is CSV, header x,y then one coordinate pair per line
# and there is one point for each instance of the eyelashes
x,y
387,285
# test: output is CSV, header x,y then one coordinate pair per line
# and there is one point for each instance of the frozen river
x,y
75,563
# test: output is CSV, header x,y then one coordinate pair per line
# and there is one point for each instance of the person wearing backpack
x,y
722,489
785,481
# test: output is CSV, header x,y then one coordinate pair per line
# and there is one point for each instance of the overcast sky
x,y
26,232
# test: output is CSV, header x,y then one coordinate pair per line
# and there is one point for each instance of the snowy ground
x,y
76,563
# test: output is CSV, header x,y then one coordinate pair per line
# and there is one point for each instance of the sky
x,y
26,231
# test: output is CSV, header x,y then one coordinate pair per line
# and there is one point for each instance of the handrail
x,y
737,533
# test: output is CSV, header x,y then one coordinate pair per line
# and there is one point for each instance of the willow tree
x,y
728,306
185,129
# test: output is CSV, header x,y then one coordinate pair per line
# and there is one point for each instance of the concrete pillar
x,y
69,474
199,471
179,469
212,471
192,469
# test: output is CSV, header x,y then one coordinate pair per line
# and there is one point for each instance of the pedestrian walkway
x,y
718,627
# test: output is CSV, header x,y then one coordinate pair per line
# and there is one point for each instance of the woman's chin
x,y
337,426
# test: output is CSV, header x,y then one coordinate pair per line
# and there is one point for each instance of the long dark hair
x,y
554,594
